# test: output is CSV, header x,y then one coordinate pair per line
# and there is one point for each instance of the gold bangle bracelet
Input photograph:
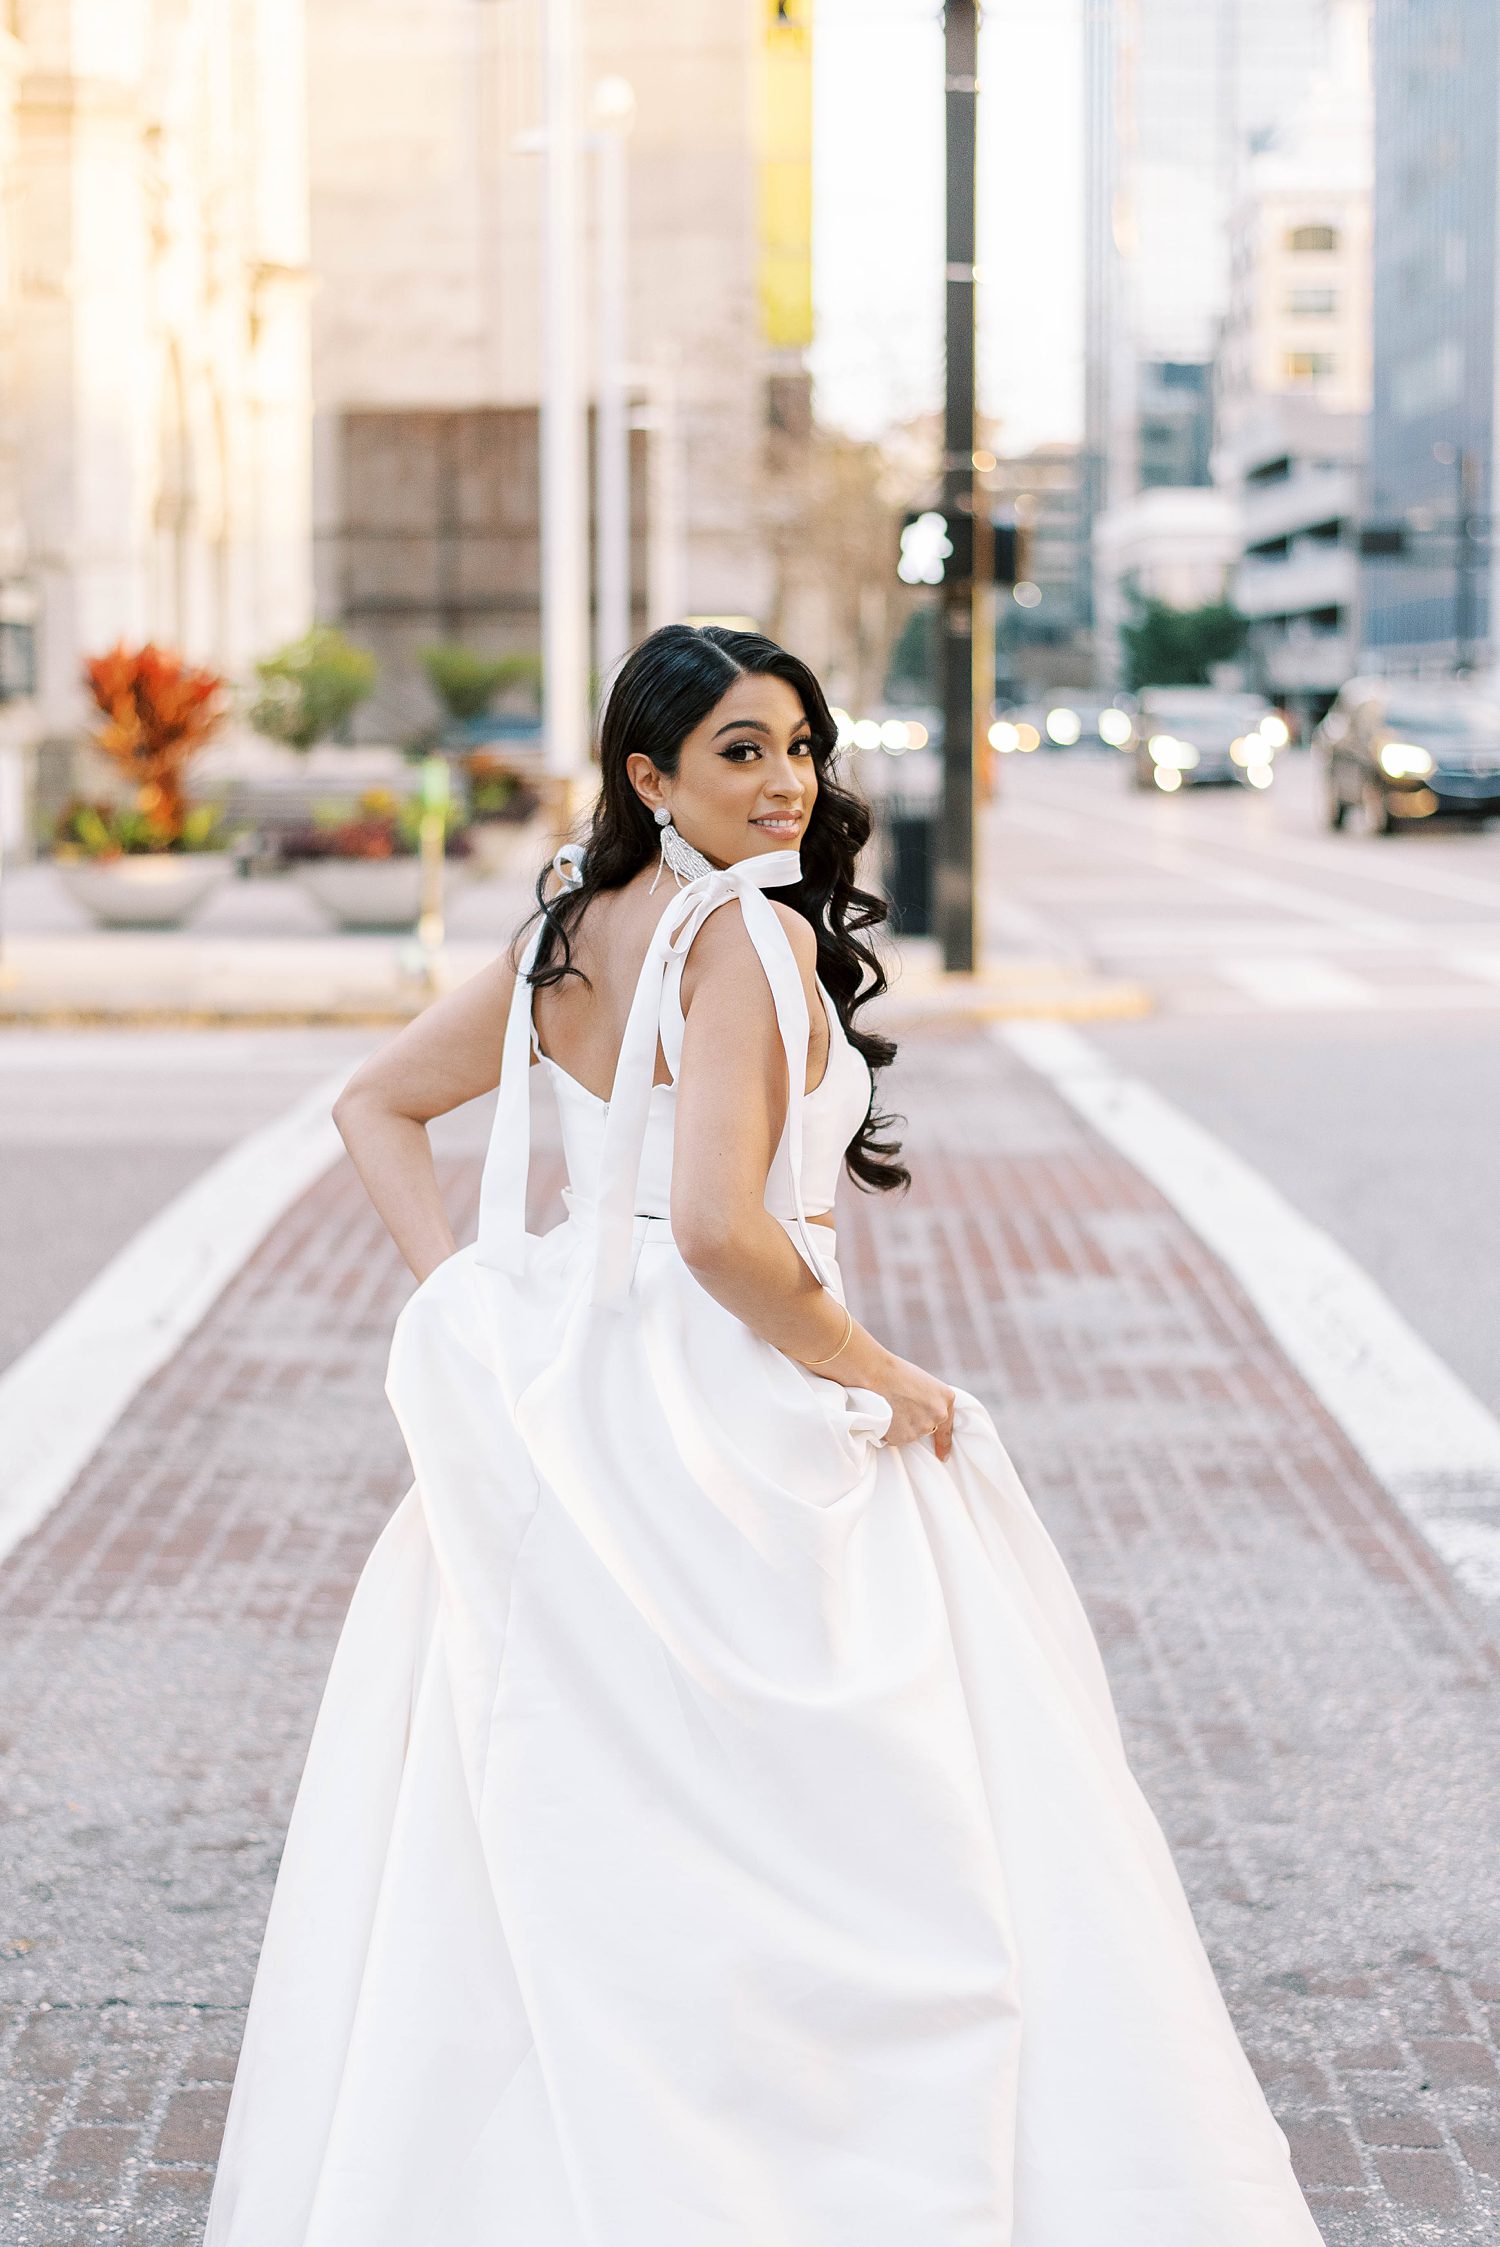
x,y
843,1343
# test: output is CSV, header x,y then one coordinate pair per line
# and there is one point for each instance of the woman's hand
x,y
920,1405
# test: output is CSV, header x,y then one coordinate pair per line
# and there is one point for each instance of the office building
x,y
1293,380
154,470
1178,92
1432,438
427,198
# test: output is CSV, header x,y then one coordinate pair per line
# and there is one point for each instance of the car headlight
x,y
1405,760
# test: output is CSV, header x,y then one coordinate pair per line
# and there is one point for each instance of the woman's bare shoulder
x,y
724,945
725,967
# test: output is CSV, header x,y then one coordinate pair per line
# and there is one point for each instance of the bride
x,y
716,1831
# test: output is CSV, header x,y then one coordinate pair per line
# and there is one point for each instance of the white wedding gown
x,y
716,1831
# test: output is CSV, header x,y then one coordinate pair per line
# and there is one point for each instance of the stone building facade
x,y
154,358
426,200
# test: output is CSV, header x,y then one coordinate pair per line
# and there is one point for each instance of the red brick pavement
x,y
1309,1703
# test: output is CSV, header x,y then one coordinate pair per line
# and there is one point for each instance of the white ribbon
x,y
507,1164
630,1097
502,1200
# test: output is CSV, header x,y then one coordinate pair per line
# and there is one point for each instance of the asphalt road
x,y
1328,1005
100,1128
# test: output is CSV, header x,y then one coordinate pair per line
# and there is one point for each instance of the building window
x,y
1306,239
1312,304
1309,366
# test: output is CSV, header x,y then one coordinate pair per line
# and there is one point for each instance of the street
x,y
1310,1695
1327,1005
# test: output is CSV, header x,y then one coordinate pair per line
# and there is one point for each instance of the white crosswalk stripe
x,y
1294,982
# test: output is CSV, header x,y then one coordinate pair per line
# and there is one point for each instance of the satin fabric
x,y
716,1830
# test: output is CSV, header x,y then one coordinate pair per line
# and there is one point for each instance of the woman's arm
x,y
731,1104
449,1054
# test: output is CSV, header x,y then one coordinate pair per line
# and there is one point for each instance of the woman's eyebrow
x,y
744,725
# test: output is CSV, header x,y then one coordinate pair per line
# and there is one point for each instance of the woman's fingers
x,y
942,1434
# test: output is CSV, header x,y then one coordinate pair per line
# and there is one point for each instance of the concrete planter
x,y
366,893
509,849
155,890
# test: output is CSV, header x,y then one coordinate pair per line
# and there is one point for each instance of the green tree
x,y
310,689
466,684
1167,647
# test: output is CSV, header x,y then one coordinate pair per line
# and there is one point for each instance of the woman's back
x,y
580,1021
579,1033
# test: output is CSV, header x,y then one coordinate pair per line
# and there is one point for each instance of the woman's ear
x,y
645,779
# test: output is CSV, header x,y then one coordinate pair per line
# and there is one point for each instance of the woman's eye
x,y
740,750
802,748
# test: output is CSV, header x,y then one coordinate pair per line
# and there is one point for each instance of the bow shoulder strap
x,y
630,1097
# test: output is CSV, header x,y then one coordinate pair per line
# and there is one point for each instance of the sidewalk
x,y
1309,1704
259,955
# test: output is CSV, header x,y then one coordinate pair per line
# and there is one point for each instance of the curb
x,y
1021,991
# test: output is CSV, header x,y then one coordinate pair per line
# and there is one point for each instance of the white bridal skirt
x,y
716,1833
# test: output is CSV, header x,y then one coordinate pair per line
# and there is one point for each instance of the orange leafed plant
x,y
158,713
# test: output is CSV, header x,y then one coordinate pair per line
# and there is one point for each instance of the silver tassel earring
x,y
686,863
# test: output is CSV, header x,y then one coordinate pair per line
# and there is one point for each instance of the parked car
x,y
1402,750
1193,737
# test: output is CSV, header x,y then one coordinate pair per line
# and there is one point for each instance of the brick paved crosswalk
x,y
1309,1703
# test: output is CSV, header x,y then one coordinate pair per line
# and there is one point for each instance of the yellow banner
x,y
786,127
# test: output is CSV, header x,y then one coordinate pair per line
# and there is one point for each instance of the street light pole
x,y
614,105
564,454
1464,606
955,904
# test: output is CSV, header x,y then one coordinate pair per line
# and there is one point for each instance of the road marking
x,y
1411,998
1376,859
62,1396
1423,1433
1185,857
1296,983
1483,966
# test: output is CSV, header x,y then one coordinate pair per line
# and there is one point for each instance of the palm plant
x,y
158,713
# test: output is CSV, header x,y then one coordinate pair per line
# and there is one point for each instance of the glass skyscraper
x,y
1437,145
1178,92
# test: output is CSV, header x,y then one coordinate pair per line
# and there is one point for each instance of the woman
x,y
716,1831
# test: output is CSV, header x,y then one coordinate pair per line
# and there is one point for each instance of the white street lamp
x,y
564,480
614,108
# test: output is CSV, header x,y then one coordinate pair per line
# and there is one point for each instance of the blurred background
x,y
384,370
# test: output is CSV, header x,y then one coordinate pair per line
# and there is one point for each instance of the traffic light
x,y
1012,551
935,548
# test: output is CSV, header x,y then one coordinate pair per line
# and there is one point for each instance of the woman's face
x,y
745,780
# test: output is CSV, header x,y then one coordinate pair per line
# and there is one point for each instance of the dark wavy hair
x,y
664,688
